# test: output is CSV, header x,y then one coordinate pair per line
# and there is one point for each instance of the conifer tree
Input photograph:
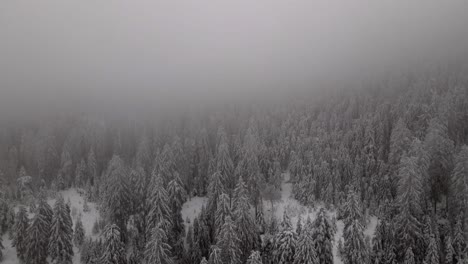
x,y
305,250
409,257
223,210
36,251
215,256
244,221
157,250
432,252
117,197
299,226
228,241
285,245
204,261
60,245
254,258
20,234
323,237
458,242
79,234
114,249
223,161
449,251
352,209
177,197
459,184
1,248
355,247
159,212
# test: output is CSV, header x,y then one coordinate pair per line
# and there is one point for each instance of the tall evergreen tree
x,y
79,234
432,252
355,247
36,251
20,234
449,251
222,211
60,245
114,249
285,246
254,258
244,221
159,212
323,237
228,241
157,250
215,256
409,257
305,250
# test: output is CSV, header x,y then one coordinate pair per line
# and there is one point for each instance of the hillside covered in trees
x,y
396,149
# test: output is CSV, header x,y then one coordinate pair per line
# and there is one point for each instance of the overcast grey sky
x,y
116,53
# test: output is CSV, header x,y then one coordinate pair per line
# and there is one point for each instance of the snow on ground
x,y
191,209
76,202
295,209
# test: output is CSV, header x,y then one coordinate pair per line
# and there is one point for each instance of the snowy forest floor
x,y
190,210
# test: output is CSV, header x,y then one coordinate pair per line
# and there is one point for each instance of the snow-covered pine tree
x,y
305,249
458,242
244,222
92,166
159,212
79,234
36,242
229,242
1,248
352,209
323,237
114,249
383,239
20,234
459,184
223,209
215,256
409,228
60,246
157,251
204,261
432,252
254,258
449,251
177,196
116,202
80,174
223,161
285,245
356,251
409,257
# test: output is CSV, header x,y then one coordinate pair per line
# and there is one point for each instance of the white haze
x,y
57,54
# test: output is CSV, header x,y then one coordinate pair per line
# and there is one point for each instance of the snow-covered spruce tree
x,y
323,237
202,233
20,234
215,189
352,209
254,258
305,249
382,241
143,153
60,246
459,184
36,241
223,161
409,257
409,228
432,252
299,225
157,251
159,212
116,202
449,251
177,197
114,249
79,234
229,242
400,140
244,222
355,249
92,166
215,256
223,209
285,245
204,261
458,242
80,174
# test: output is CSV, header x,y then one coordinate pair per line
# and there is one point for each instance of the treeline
x,y
395,149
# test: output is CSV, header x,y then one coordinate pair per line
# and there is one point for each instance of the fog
x,y
117,55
